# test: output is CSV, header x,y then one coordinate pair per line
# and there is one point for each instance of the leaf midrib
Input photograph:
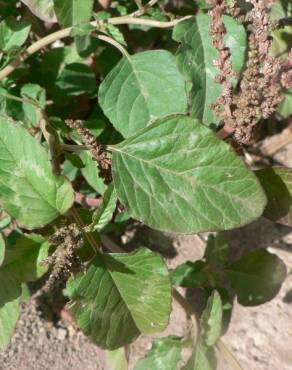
x,y
194,182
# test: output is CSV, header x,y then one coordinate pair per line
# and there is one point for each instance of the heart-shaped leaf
x,y
176,175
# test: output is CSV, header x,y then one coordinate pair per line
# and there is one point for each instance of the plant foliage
x,y
118,114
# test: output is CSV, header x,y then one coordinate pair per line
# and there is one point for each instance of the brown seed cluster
x,y
97,151
264,77
68,239
217,31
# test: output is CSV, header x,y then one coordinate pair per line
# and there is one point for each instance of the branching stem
x,y
38,45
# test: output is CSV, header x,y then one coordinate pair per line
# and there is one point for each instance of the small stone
x,y
62,334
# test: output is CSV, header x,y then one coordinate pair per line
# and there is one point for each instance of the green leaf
x,y
256,277
43,9
211,320
190,274
104,213
90,172
281,9
9,314
21,264
2,249
217,251
115,33
30,192
282,41
76,79
121,296
195,59
203,358
13,33
164,354
73,12
176,175
83,29
116,360
140,89
36,95
277,183
84,42
285,109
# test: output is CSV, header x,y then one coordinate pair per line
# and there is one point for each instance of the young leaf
x,y
195,59
30,192
164,354
2,249
121,296
43,9
116,34
116,360
217,250
37,95
211,320
13,33
90,172
104,213
277,183
73,12
175,175
190,274
257,277
21,264
203,357
140,89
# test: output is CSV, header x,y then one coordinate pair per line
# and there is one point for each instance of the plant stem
x,y
142,9
66,33
113,42
74,148
17,98
51,139
189,309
